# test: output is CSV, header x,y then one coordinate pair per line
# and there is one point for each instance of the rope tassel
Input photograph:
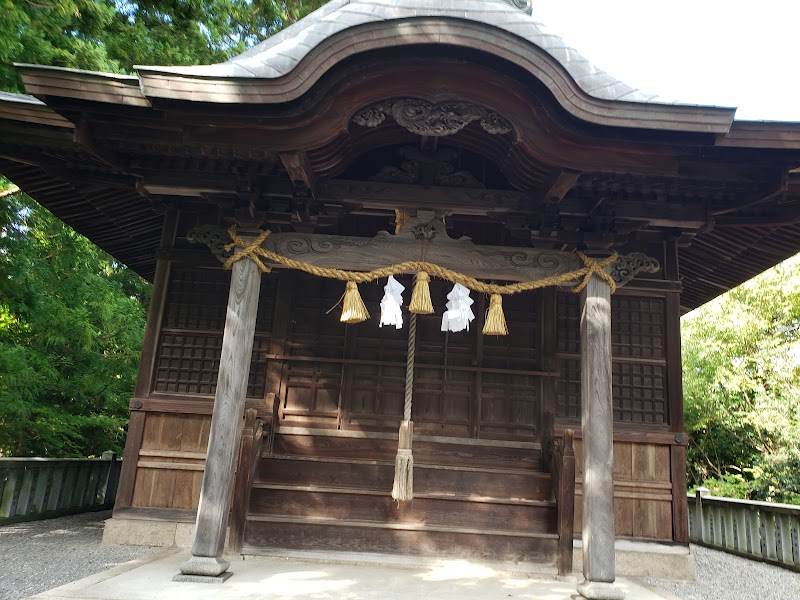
x,y
403,488
495,319
421,296
353,308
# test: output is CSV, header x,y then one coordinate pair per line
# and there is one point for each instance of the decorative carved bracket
x,y
214,237
426,239
630,265
424,118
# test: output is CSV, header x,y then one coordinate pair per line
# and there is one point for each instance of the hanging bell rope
x,y
403,488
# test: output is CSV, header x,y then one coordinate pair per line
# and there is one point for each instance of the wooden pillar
x,y
206,563
598,443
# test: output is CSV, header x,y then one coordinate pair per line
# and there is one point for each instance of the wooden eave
x,y
569,141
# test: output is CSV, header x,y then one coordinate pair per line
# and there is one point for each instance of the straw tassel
x,y
495,319
421,297
403,488
353,309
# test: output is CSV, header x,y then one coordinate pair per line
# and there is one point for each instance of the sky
x,y
723,53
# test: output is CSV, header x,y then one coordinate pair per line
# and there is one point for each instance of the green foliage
x,y
71,318
71,324
113,35
741,372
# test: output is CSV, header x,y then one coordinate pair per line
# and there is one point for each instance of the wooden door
x,y
352,377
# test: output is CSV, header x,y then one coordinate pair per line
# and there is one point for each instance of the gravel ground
x,y
722,576
41,555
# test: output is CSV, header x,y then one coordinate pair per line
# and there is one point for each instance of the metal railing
x,y
756,530
41,488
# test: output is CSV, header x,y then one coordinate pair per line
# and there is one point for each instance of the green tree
x,y
741,366
71,323
71,317
113,35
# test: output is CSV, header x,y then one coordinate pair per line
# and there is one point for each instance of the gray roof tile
x,y
282,52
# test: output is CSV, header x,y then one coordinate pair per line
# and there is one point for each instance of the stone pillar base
x,y
597,590
204,569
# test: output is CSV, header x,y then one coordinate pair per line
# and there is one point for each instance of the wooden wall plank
x,y
133,442
680,508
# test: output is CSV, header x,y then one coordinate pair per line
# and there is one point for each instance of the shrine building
x,y
514,388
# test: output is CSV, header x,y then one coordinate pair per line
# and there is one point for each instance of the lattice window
x,y
639,393
197,299
637,327
188,364
639,367
191,339
568,399
569,323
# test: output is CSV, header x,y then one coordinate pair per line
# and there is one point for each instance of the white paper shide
x,y
459,313
391,311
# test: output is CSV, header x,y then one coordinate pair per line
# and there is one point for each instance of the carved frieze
x,y
425,118
427,240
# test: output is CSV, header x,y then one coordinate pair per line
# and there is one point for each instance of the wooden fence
x,y
756,530
41,488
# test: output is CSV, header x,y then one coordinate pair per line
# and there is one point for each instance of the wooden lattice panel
x,y
188,364
191,339
637,327
568,399
197,299
638,349
569,323
639,393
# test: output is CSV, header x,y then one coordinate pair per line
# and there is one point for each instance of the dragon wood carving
x,y
425,118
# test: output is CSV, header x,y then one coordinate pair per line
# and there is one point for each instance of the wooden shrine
x,y
459,135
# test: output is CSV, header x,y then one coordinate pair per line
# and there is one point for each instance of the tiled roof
x,y
281,53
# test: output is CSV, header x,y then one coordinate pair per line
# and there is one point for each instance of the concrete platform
x,y
305,576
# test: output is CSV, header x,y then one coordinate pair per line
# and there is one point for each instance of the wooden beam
x,y
391,196
300,172
559,185
681,215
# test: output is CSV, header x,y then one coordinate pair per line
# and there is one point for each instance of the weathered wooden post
x,y
598,443
206,563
